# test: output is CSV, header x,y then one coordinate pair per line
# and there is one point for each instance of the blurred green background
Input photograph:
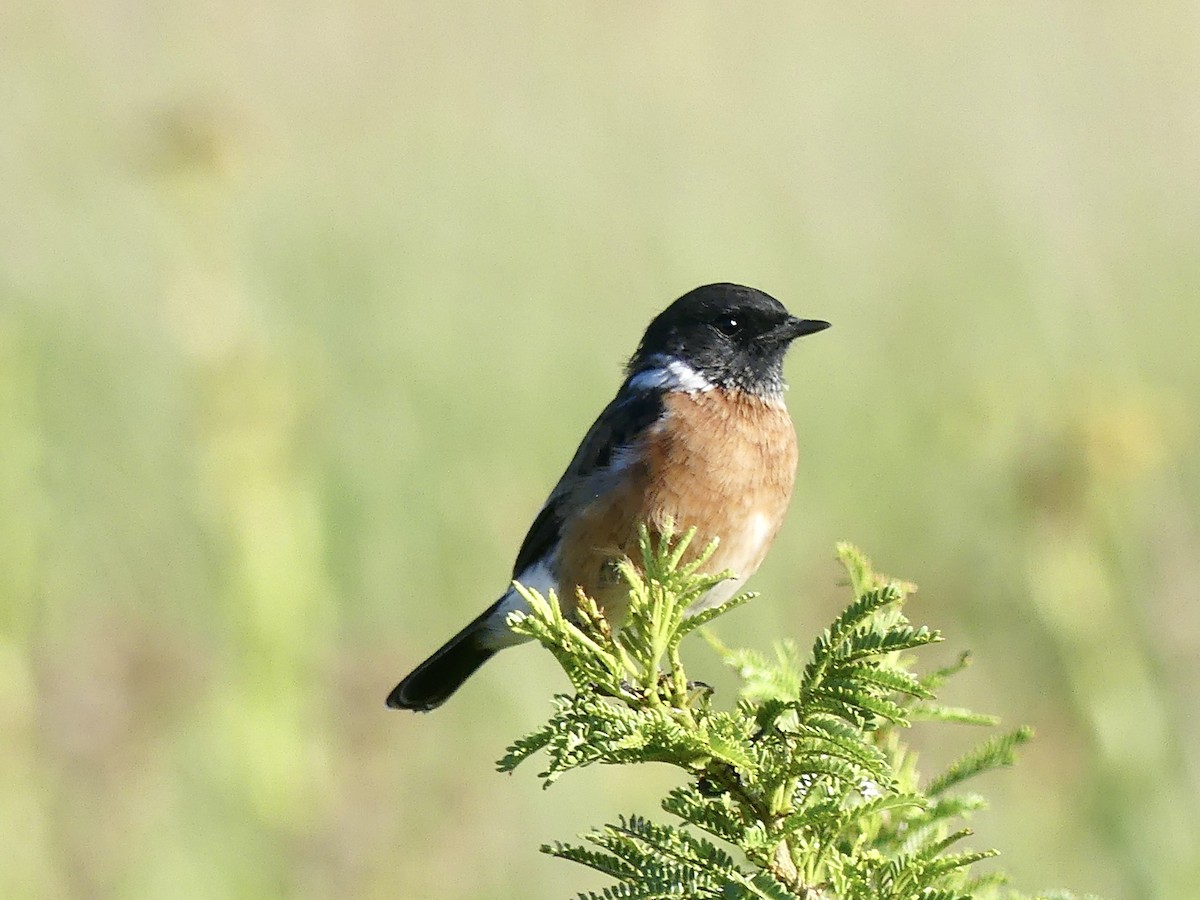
x,y
304,308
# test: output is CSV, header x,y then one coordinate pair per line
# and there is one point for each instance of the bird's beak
x,y
794,328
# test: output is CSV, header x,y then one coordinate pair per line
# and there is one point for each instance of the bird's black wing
x,y
627,416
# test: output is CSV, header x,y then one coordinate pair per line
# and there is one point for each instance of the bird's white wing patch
x,y
672,375
498,635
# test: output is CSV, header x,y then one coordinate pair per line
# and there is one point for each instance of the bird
x,y
698,435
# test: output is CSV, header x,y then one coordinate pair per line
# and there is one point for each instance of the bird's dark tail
x,y
430,684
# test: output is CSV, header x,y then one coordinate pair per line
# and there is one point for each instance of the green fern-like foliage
x,y
804,788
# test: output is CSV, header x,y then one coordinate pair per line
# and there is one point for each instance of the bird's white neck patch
x,y
671,374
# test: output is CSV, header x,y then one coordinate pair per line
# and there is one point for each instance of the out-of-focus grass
x,y
303,309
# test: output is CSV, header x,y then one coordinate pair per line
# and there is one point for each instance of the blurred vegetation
x,y
297,299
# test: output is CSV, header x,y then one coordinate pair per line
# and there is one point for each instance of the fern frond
x,y
935,712
691,623
935,679
803,789
992,754
523,748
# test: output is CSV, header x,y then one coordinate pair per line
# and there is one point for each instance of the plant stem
x,y
783,867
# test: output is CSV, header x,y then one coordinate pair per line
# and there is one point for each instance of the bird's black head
x,y
720,334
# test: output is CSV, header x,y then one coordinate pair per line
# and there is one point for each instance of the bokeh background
x,y
303,307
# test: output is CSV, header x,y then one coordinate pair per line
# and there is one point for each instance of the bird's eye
x,y
728,325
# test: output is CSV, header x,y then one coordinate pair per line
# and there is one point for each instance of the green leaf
x,y
691,623
523,748
934,712
765,886
809,762
997,752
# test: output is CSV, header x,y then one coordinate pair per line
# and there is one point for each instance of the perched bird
x,y
698,434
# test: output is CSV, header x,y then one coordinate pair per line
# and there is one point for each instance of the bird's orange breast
x,y
722,461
